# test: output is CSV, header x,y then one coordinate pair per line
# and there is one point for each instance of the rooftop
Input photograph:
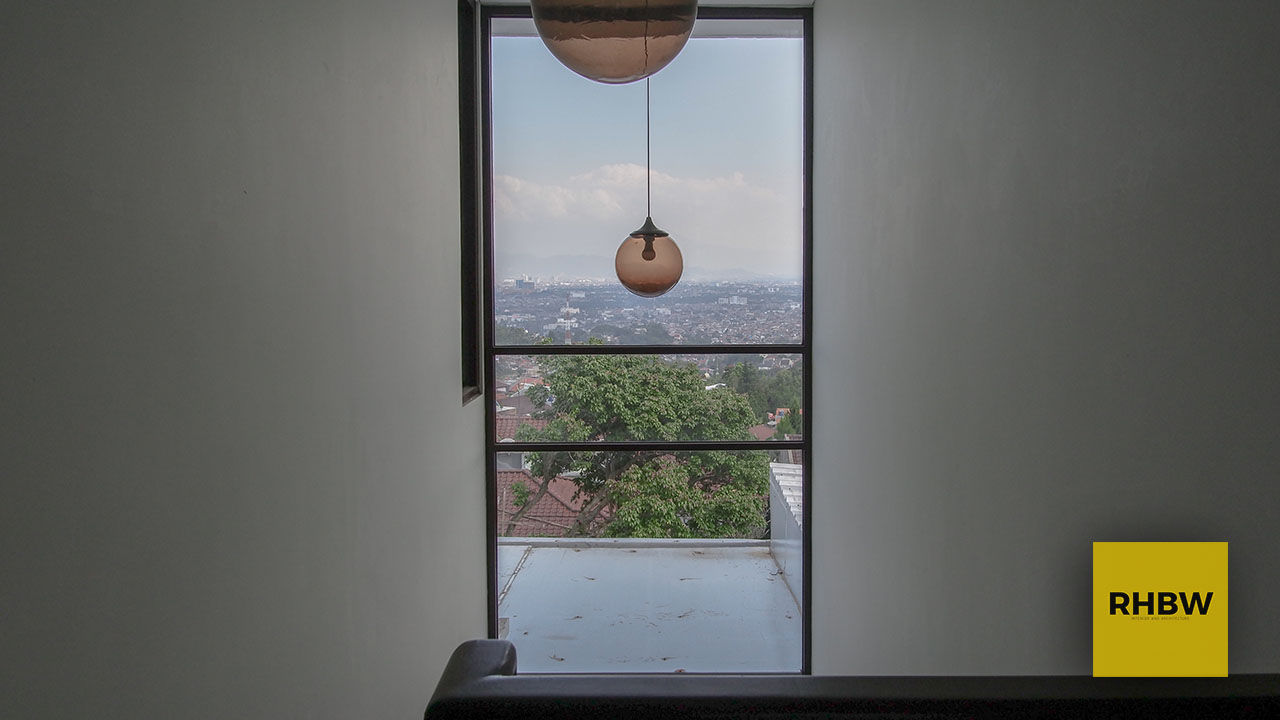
x,y
646,605
550,515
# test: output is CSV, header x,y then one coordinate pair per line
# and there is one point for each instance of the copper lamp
x,y
648,262
614,41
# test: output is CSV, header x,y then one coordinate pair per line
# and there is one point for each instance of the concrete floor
x,y
647,606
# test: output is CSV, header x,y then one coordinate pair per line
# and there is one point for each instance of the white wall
x,y
237,478
1046,313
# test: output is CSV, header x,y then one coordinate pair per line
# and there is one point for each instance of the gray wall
x,y
1046,314
236,476
238,480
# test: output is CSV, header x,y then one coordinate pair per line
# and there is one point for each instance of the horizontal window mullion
x,y
750,349
745,12
650,445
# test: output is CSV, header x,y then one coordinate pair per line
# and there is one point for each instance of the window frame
x,y
471,222
476,28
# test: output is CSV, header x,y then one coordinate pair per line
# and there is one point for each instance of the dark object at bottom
x,y
480,681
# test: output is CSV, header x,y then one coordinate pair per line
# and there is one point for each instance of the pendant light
x,y
648,262
614,41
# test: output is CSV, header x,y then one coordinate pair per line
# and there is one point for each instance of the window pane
x,y
577,398
652,562
570,184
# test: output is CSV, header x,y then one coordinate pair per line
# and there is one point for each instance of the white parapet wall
x,y
786,523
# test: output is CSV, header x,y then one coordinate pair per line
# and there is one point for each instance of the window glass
x,y
569,184
649,497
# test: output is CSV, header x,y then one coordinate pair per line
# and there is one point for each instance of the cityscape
x,y
530,311
739,395
693,313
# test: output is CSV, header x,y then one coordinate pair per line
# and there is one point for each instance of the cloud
x,y
525,200
724,220
630,175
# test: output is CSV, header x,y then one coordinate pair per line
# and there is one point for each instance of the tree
x,y
766,393
785,389
507,335
746,379
648,494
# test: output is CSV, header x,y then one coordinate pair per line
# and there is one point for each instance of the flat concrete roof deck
x,y
639,605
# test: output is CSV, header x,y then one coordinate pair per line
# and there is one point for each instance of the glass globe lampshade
x,y
614,41
648,262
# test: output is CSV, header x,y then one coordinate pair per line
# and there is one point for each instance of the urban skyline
x,y
694,312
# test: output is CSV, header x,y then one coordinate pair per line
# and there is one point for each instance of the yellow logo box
x,y
1159,609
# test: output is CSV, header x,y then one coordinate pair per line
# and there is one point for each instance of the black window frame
x,y
475,33
471,222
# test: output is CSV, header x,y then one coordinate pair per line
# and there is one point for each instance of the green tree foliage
x,y
507,335
747,380
519,494
766,393
657,499
649,494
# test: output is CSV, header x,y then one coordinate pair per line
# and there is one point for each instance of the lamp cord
x,y
648,167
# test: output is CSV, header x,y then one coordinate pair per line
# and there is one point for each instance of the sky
x,y
569,154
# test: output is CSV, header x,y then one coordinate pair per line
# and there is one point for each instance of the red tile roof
x,y
505,427
553,514
762,432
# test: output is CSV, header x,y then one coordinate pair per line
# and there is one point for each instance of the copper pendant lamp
x,y
614,41
648,262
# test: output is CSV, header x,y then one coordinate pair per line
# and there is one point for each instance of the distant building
x,y
516,407
562,323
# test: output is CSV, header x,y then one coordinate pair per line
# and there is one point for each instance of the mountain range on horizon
x,y
592,267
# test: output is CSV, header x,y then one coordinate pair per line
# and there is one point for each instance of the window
x,y
647,456
469,160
